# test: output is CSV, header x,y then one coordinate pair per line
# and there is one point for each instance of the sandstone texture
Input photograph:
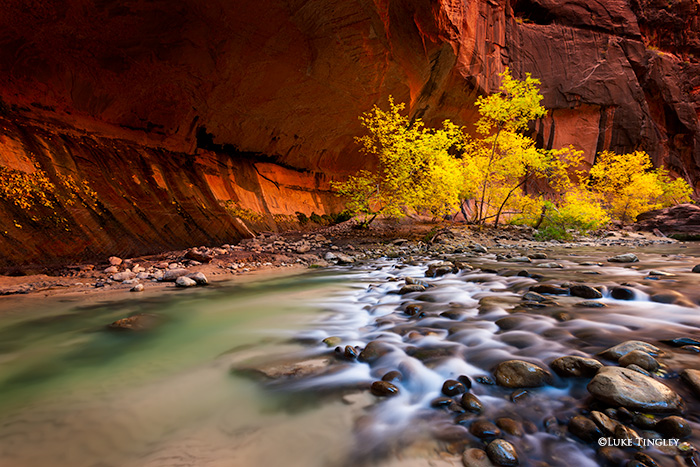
x,y
173,111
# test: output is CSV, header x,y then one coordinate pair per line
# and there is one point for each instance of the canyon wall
x,y
183,116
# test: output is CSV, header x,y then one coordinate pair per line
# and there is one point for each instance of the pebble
x,y
183,281
484,429
624,258
501,452
520,374
623,387
620,350
574,366
471,403
384,389
639,358
453,388
584,428
585,291
674,427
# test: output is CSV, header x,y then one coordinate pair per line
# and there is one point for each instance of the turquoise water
x,y
74,394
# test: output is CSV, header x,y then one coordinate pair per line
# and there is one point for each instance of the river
x,y
185,393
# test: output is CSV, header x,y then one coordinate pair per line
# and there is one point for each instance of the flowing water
x,y
74,394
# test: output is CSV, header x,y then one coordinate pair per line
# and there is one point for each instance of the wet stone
x,y
549,289
618,351
453,388
519,395
591,304
573,366
451,433
501,452
584,428
373,351
644,421
604,423
471,403
413,309
332,341
383,389
534,297
476,458
510,426
350,353
411,288
464,379
484,429
681,341
645,459
392,376
622,293
624,258
623,387
696,269
612,456
510,322
440,402
692,379
487,380
639,358
585,291
520,374
674,427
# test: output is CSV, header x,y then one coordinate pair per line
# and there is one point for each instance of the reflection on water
x,y
74,394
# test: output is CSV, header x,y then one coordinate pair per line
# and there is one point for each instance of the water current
x,y
239,375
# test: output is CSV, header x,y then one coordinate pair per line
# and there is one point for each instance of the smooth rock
x,y
199,278
574,366
605,423
584,428
681,341
475,457
171,275
137,288
692,379
585,291
696,269
115,260
520,374
624,258
591,304
471,403
622,293
111,270
410,288
501,452
534,297
384,389
123,276
484,429
623,387
549,289
392,376
332,341
620,350
640,358
373,351
453,388
638,369
478,248
183,281
674,427
510,426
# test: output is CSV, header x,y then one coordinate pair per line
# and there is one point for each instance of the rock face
x,y
682,221
632,390
184,107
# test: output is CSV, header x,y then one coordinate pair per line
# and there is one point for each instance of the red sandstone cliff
x,y
256,103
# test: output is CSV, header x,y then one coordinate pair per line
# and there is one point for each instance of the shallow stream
x,y
238,375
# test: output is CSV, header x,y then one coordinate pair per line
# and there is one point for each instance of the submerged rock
x,y
627,388
520,374
138,322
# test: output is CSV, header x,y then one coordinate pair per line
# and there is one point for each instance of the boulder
x,y
627,388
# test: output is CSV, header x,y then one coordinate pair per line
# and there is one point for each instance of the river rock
x,y
520,374
475,457
410,288
585,291
696,268
549,289
510,426
343,259
638,369
606,424
623,387
171,275
620,350
484,429
384,389
332,341
440,402
123,276
373,351
478,248
674,427
640,358
471,403
115,260
138,322
137,288
624,258
692,379
349,353
111,270
534,297
537,256
573,366
199,255
199,278
622,293
453,388
184,281
501,452
591,304
440,269
584,428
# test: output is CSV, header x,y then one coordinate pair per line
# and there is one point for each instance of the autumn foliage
x,y
491,177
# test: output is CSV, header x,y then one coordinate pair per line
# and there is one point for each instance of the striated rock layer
x,y
271,91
